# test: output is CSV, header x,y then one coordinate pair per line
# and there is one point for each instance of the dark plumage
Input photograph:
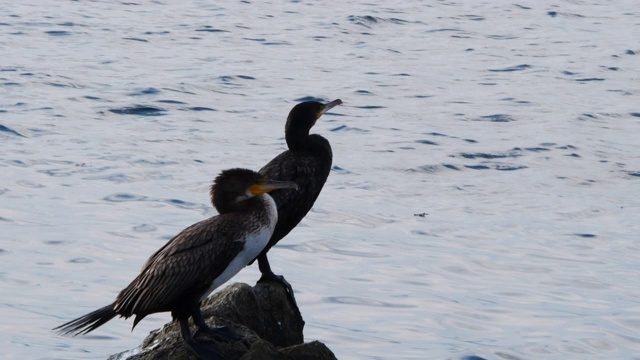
x,y
197,260
307,163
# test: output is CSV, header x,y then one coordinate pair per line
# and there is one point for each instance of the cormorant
x,y
307,163
197,260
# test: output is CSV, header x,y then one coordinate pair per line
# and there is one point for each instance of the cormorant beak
x,y
328,106
265,186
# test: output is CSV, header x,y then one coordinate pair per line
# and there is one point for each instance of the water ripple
x,y
135,39
432,168
208,28
145,228
126,197
352,300
81,260
426,142
513,154
152,163
29,184
171,102
117,178
590,79
10,131
201,108
308,98
346,128
500,167
140,110
146,91
340,170
58,33
181,203
512,68
56,242
502,118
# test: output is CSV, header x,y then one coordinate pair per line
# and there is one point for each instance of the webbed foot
x,y
282,281
268,275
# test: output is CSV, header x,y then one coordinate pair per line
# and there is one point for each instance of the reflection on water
x,y
481,201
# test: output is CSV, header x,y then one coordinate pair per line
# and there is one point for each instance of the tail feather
x,y
88,322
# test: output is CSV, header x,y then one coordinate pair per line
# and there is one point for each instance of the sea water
x,y
484,196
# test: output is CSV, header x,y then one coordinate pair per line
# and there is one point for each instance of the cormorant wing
x,y
306,172
183,267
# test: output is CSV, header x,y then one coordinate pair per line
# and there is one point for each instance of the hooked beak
x,y
266,186
330,105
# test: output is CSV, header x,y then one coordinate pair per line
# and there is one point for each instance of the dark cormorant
x,y
197,260
307,163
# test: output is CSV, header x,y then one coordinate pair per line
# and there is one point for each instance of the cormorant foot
x,y
282,281
204,351
222,333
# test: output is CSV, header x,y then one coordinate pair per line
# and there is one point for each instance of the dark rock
x,y
269,326
314,350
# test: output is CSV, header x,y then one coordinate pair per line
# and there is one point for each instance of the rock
x,y
269,326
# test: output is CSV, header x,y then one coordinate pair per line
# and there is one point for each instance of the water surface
x,y
484,195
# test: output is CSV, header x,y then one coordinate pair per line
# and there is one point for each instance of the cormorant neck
x,y
297,138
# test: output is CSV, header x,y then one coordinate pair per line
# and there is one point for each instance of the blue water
x,y
485,196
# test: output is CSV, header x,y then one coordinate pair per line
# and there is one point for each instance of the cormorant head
x,y
234,186
302,118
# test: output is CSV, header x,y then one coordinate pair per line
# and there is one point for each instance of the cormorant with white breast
x,y
197,260
307,163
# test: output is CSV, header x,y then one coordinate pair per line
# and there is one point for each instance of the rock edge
x,y
270,327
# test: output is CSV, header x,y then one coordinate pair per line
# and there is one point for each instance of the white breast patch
x,y
253,246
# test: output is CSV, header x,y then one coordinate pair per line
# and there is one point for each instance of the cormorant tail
x,y
137,320
87,323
